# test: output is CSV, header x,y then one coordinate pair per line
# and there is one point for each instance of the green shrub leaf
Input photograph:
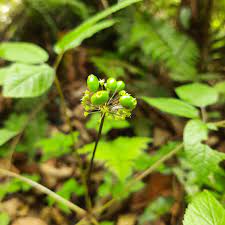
x,y
4,218
119,155
194,132
57,145
23,52
74,38
6,135
69,188
204,210
204,160
173,106
220,87
24,80
197,94
89,27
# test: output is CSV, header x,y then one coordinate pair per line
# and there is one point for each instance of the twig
x,y
141,176
45,190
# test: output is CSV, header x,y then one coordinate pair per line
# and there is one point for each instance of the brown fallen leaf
x,y
29,221
128,219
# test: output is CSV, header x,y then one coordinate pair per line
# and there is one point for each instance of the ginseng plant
x,y
110,100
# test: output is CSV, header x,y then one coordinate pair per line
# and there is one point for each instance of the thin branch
x,y
45,190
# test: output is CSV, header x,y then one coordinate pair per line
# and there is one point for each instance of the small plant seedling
x,y
110,100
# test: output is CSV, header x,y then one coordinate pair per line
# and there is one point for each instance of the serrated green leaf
x,y
23,52
90,27
115,188
57,145
204,160
4,218
6,135
204,210
27,80
198,94
118,155
195,131
173,106
93,123
69,188
15,185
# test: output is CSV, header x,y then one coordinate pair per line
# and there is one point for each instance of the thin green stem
x,y
220,123
69,123
95,148
204,114
45,190
141,176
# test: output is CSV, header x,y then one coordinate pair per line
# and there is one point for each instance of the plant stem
x,y
141,176
204,114
45,190
220,123
69,123
95,148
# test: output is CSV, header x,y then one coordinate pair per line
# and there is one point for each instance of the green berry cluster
x,y
108,97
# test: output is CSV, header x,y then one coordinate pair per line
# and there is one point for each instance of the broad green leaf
x,y
90,27
6,135
69,188
204,160
204,210
27,80
4,72
57,145
118,155
15,185
4,218
198,94
74,39
173,106
23,52
195,131
109,124
220,87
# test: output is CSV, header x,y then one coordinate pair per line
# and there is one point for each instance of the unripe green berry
x,y
100,98
111,84
128,102
93,83
122,93
120,85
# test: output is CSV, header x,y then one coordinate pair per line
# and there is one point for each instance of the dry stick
x,y
68,121
45,190
95,148
141,176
